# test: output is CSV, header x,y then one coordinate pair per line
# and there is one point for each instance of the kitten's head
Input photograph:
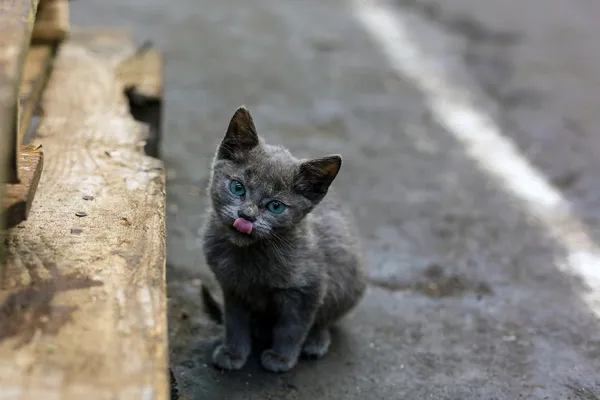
x,y
253,182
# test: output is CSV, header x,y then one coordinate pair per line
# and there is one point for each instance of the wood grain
x,y
82,290
16,23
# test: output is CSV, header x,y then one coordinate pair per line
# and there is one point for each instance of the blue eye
x,y
237,188
276,207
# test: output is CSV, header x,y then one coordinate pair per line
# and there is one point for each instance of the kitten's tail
x,y
211,305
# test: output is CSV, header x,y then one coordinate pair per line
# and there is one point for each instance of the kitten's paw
x,y
224,358
275,362
317,344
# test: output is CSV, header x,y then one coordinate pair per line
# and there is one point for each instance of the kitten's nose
x,y
248,215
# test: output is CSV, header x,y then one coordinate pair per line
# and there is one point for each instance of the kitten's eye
x,y
276,207
237,188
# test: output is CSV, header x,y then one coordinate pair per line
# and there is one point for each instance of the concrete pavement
x,y
472,294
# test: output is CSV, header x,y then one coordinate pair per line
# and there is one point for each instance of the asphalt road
x,y
470,132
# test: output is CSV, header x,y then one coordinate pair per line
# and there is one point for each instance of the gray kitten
x,y
284,253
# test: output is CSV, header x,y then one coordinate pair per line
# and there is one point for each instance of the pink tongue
x,y
242,225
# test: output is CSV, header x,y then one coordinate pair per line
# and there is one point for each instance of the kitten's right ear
x,y
240,137
315,176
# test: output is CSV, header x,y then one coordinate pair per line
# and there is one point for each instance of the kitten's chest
x,y
254,272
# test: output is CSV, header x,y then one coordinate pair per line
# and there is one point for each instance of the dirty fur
x,y
297,272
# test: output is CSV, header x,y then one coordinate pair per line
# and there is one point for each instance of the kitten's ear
x,y
240,137
315,176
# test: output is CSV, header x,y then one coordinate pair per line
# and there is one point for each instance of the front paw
x,y
276,362
317,343
225,358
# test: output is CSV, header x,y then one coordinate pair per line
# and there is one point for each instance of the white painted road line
x,y
482,139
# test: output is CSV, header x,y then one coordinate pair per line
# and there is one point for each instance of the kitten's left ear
x,y
315,176
241,135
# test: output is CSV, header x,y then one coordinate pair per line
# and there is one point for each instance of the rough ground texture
x,y
467,301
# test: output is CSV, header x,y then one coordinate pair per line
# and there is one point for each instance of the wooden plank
x,y
52,22
18,197
16,23
82,290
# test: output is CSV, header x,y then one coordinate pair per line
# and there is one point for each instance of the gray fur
x,y
298,272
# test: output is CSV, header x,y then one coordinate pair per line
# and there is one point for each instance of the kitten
x,y
284,253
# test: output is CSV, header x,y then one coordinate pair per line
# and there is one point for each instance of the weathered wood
x,y
52,21
17,198
82,298
16,23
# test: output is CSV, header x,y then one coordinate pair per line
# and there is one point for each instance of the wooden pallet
x,y
82,282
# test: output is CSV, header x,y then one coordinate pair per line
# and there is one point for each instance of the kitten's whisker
x,y
280,239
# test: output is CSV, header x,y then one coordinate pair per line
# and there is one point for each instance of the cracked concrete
x,y
468,300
